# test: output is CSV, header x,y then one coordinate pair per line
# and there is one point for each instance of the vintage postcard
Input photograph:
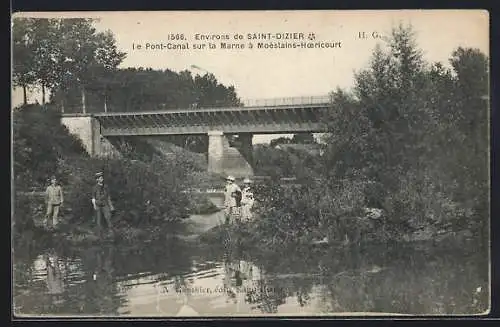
x,y
250,163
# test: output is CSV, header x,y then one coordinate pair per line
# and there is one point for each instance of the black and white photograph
x,y
213,164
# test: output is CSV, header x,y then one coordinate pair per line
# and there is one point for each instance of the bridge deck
x,y
196,110
281,118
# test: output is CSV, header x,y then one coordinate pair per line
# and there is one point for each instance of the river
x,y
182,277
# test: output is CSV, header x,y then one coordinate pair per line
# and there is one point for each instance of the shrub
x,y
23,213
144,195
39,141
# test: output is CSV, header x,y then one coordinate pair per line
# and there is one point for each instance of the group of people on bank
x,y
100,198
238,202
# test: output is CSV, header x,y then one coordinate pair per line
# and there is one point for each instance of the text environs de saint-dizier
x,y
256,36
279,40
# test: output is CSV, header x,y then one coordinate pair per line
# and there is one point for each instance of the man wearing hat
x,y
247,200
54,199
231,195
101,200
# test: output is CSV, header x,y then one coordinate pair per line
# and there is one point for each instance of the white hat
x,y
230,178
247,181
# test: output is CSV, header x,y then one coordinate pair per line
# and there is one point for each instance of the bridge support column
x,y
216,146
88,130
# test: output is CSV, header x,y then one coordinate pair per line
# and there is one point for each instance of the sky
x,y
269,73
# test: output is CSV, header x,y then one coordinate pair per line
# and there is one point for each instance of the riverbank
x,y
146,183
203,216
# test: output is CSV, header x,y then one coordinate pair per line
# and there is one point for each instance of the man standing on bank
x,y
101,200
54,199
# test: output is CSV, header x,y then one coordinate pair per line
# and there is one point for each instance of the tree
x,y
46,54
210,93
391,90
87,51
471,88
346,152
39,141
23,59
280,140
407,131
57,53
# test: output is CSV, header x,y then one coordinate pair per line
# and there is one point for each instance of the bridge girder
x,y
264,120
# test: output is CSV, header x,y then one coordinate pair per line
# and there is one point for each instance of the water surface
x,y
185,278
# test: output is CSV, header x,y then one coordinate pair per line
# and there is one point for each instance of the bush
x,y
201,205
39,142
25,211
144,195
420,202
286,161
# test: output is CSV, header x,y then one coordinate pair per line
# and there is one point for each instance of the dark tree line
x,y
78,66
139,89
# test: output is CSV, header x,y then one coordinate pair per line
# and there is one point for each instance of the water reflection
x,y
55,283
175,278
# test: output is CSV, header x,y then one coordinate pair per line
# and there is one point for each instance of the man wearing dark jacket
x,y
101,200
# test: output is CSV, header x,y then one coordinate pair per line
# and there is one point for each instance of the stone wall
x,y
224,159
88,130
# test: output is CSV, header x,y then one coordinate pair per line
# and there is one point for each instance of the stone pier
x,y
228,160
88,130
216,147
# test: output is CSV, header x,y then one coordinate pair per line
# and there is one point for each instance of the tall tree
x,y
86,49
23,58
414,132
472,91
46,54
390,89
58,53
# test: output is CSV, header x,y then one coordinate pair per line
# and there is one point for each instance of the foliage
x,y
139,89
23,207
54,53
201,205
404,130
304,138
22,54
145,195
409,139
78,66
287,161
280,140
39,142
146,187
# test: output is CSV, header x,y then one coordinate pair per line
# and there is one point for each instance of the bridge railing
x,y
249,103
289,101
